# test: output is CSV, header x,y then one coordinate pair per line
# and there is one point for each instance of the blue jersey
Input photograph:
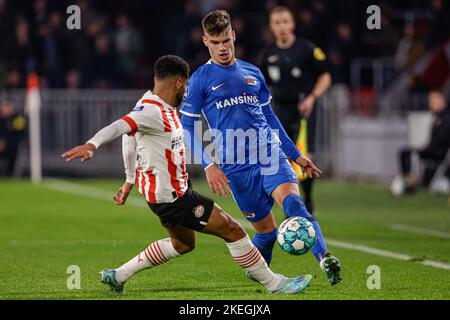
x,y
231,99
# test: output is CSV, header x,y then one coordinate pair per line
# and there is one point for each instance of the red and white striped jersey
x,y
161,167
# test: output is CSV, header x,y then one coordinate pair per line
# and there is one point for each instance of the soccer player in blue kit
x,y
233,97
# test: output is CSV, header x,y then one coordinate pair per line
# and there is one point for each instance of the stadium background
x,y
90,77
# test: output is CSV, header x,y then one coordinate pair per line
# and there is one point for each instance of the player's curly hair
x,y
171,65
216,22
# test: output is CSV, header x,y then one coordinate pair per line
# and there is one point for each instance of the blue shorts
x,y
252,188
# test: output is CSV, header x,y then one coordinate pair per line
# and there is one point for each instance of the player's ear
x,y
205,40
178,83
233,34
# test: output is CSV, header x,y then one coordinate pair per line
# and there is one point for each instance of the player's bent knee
x,y
266,225
236,231
231,230
181,247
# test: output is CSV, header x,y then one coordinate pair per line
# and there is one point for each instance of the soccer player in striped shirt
x,y
153,135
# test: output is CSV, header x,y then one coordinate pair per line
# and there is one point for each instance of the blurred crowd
x,y
13,126
120,40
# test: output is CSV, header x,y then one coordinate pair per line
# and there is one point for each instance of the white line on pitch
x,y
420,231
97,193
90,192
385,253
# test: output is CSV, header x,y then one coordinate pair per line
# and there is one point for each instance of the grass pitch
x,y
45,229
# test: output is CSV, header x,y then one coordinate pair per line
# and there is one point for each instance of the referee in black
x,y
297,73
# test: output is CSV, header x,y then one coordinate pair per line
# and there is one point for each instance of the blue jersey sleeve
x,y
193,98
264,93
286,143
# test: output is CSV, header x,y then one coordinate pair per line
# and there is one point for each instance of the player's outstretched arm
x,y
288,146
129,154
286,143
106,135
84,152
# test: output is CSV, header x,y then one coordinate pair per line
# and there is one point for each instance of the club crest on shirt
x,y
199,211
251,81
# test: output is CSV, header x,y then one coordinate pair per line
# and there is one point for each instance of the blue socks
x,y
293,206
264,243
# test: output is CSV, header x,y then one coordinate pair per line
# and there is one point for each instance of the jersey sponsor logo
x,y
199,211
251,81
177,142
214,88
247,99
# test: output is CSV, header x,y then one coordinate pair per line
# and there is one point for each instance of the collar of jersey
x,y
158,99
210,61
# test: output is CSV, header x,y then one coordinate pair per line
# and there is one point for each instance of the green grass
x,y
43,231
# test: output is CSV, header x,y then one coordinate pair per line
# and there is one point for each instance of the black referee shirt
x,y
292,72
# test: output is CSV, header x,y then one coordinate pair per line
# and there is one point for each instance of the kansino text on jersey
x,y
252,100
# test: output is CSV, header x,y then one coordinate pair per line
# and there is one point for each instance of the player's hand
x,y
84,152
122,194
306,106
217,181
308,167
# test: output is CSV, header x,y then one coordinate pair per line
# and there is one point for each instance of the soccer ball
x,y
296,235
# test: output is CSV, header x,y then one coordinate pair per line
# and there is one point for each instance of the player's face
x,y
181,84
282,25
221,47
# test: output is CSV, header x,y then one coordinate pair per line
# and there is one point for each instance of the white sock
x,y
249,258
155,254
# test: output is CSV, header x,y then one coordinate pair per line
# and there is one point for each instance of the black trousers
x,y
432,162
10,156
